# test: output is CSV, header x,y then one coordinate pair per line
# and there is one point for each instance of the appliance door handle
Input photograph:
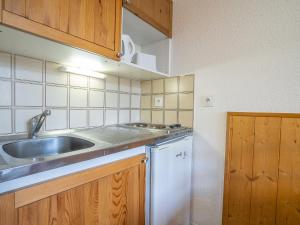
x,y
179,154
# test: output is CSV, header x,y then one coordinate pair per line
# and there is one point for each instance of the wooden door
x,y
262,178
158,13
93,25
288,205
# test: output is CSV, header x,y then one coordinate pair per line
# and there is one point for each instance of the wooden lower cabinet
x,y
114,199
262,175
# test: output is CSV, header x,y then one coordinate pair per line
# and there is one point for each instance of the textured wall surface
x,y
247,55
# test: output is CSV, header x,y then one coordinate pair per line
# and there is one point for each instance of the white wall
x,y
247,55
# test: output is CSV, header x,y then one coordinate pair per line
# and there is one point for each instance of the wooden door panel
x,y
44,11
265,171
240,170
15,6
288,205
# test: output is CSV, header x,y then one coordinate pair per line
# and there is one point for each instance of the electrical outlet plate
x,y
158,101
207,101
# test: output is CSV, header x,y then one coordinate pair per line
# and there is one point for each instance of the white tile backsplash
x,y
56,96
135,116
111,100
54,76
96,83
5,121
78,97
96,99
135,101
78,118
23,117
112,83
57,120
124,85
29,86
78,80
5,65
5,93
124,101
95,118
136,86
28,69
28,94
111,117
124,116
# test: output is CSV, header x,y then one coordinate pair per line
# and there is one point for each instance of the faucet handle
x,y
47,112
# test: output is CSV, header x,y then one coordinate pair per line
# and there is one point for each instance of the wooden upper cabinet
x,y
93,25
158,13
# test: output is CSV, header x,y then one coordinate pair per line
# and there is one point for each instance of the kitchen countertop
x,y
108,140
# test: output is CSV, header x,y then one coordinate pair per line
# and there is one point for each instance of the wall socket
x,y
207,101
158,101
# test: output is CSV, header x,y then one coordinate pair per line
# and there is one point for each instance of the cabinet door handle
x,y
179,154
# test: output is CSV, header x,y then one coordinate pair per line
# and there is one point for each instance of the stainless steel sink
x,y
35,148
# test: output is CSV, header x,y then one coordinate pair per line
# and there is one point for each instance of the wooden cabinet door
x,y
115,199
158,13
93,25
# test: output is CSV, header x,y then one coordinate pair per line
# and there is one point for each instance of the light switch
x,y
158,101
207,101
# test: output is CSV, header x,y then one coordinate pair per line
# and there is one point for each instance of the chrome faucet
x,y
37,122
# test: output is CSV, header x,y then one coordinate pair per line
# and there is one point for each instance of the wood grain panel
x,y
64,15
44,190
265,171
240,170
7,209
15,6
56,35
43,212
288,204
70,207
105,22
44,11
82,19
158,13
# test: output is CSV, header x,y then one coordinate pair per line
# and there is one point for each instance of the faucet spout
x,y
37,123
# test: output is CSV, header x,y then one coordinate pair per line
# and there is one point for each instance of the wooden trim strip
x,y
44,190
226,170
264,114
1,9
118,26
55,35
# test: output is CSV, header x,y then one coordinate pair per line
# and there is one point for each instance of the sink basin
x,y
35,148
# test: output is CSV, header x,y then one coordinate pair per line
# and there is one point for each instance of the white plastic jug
x,y
128,48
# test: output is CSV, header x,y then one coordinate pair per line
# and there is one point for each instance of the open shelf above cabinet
x,y
147,40
22,43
